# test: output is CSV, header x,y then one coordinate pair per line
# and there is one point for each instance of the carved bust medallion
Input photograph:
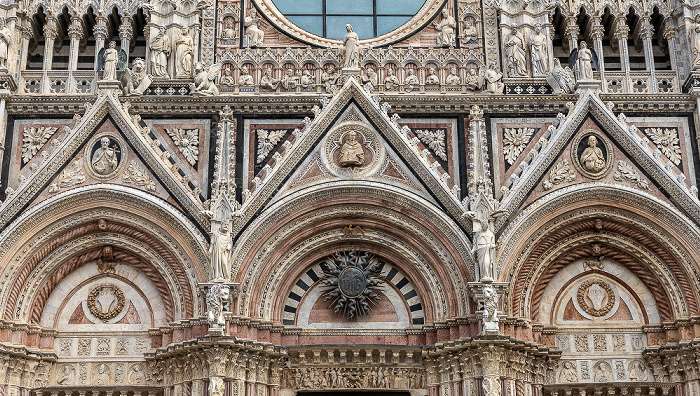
x,y
352,149
105,155
591,154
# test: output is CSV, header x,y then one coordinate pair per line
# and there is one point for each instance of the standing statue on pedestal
x,y
160,51
107,60
584,60
515,53
351,53
5,41
184,55
447,26
253,34
539,53
485,249
494,80
220,252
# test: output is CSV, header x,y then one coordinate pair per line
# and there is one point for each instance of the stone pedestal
x,y
351,72
109,85
587,85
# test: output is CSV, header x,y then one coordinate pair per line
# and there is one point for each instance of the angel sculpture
x,y
135,80
204,80
584,60
109,60
267,140
561,79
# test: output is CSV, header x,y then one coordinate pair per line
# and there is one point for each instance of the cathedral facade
x,y
415,197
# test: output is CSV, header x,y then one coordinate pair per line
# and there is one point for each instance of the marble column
x,y
622,31
571,32
597,33
75,32
671,36
646,32
50,34
126,34
100,32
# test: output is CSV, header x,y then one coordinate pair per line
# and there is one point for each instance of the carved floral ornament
x,y
105,302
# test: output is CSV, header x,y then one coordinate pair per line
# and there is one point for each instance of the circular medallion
x,y
105,302
595,297
592,154
105,156
352,149
352,282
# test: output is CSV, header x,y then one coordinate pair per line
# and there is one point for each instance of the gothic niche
x,y
352,279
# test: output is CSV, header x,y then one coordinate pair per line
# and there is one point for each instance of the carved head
x,y
411,72
198,67
352,137
185,31
583,45
244,71
348,27
112,45
468,23
253,12
289,72
431,71
453,71
538,28
104,142
514,28
389,72
224,293
592,141
139,65
224,227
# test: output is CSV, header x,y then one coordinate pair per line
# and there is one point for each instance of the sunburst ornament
x,y
352,280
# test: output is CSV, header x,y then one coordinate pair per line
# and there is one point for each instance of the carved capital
x,y
50,31
670,32
622,30
126,29
75,30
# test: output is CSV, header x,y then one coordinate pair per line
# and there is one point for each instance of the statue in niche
x,y
446,27
370,76
109,59
203,84
5,41
253,34
229,32
494,80
602,372
160,51
227,79
245,79
584,60
432,78
453,78
289,80
330,79
184,54
267,82
592,158
539,53
220,252
485,249
306,80
474,81
104,159
351,48
391,82
515,53
100,375
66,376
412,81
469,33
561,79
352,153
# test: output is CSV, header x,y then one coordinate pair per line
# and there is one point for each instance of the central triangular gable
x,y
425,170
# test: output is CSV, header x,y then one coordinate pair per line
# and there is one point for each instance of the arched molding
x,y
645,231
154,227
279,243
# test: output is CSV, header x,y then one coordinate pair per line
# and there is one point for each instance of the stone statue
x,y
289,80
490,315
217,298
584,60
220,252
411,80
568,372
494,80
111,56
485,249
694,38
351,152
203,84
184,54
5,41
227,79
104,160
592,158
351,49
453,78
135,80
245,79
446,27
229,32
330,79
391,82
539,52
561,79
432,78
253,34
268,82
370,76
160,51
469,33
515,53
474,81
306,80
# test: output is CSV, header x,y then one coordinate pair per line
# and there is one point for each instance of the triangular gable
x,y
426,170
627,137
106,105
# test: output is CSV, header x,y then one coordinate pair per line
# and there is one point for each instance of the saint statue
x,y
245,79
268,82
229,31
253,34
351,152
351,48
469,32
447,26
306,80
5,41
391,82
220,252
110,62
432,78
411,80
494,80
485,248
330,79
370,76
515,53
540,57
289,80
453,79
592,158
104,160
160,51
184,55
227,79
474,81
